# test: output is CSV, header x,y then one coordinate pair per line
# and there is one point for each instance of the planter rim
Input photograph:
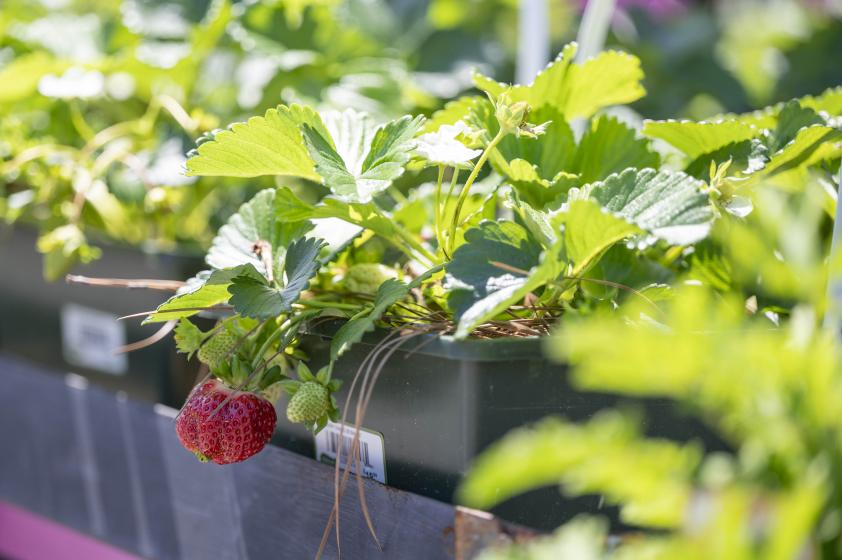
x,y
445,346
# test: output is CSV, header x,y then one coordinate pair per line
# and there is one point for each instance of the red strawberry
x,y
239,429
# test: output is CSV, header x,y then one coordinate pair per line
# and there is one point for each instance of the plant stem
x,y
453,180
438,208
269,339
471,178
415,245
316,304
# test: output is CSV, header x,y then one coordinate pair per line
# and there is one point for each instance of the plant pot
x,y
439,402
74,327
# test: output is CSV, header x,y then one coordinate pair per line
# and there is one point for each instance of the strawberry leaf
x,y
670,205
609,146
356,159
698,138
577,90
255,221
495,256
589,232
267,145
257,298
207,289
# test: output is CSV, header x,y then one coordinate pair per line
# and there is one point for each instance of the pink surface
x,y
26,536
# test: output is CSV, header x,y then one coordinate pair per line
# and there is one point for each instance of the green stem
x,y
438,208
466,189
267,343
316,304
415,245
453,181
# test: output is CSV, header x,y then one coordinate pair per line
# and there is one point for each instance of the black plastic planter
x,y
73,327
439,402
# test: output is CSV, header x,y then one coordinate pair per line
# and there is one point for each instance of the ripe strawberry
x,y
217,348
239,429
309,403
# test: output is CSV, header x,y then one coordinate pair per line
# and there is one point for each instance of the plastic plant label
x,y
371,449
90,337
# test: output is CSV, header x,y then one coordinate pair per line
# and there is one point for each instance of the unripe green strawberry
x,y
309,403
217,348
365,278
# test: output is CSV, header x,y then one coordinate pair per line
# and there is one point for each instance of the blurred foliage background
x,y
100,100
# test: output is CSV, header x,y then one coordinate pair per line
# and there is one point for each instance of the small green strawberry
x,y
311,398
309,403
217,348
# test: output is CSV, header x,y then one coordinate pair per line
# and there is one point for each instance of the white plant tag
x,y
372,450
89,338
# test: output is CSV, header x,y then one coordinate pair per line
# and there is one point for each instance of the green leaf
x,y
267,145
811,145
538,192
254,297
829,101
577,90
499,264
207,289
358,160
588,459
590,231
256,220
473,274
609,146
792,118
290,207
389,293
188,337
698,138
497,302
746,156
670,205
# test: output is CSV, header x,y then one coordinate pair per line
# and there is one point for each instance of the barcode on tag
x,y
371,449
89,338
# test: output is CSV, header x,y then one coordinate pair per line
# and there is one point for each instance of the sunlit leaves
x,y
589,231
668,204
697,138
609,146
356,159
267,145
578,90
207,290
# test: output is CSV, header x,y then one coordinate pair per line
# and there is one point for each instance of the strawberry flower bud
x,y
512,117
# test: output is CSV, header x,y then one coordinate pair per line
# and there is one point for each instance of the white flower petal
x,y
443,148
